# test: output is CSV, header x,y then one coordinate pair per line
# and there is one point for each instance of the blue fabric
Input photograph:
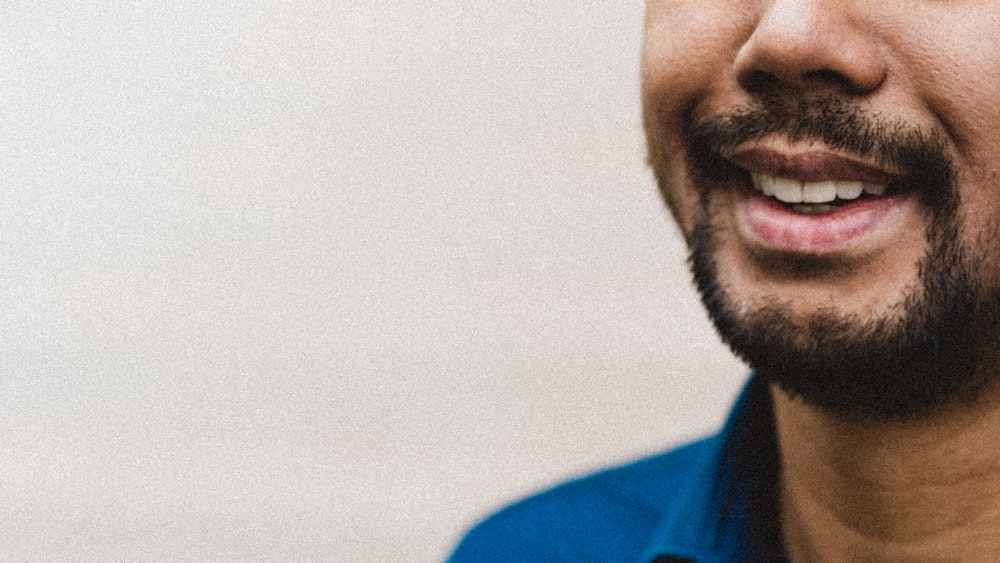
x,y
709,501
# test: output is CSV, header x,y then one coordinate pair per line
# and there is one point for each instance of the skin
x,y
919,489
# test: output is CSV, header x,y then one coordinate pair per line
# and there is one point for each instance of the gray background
x,y
327,281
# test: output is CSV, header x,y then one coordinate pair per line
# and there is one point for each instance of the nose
x,y
810,45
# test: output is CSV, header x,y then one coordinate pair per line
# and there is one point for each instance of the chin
x,y
904,359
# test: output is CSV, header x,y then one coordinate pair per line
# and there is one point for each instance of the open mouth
x,y
822,211
815,197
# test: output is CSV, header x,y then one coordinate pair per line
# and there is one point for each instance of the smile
x,y
788,190
815,197
816,203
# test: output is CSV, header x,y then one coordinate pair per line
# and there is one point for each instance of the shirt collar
x,y
729,511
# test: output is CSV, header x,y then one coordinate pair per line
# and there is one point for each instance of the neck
x,y
916,490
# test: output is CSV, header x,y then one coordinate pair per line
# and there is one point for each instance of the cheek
x,y
954,66
966,87
666,157
689,47
980,218
949,57
687,55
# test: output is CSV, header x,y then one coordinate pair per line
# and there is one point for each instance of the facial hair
x,y
922,353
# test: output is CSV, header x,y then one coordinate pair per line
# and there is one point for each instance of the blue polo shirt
x,y
711,501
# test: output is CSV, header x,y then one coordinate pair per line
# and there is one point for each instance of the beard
x,y
923,352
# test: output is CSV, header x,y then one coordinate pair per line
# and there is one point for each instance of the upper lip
x,y
810,166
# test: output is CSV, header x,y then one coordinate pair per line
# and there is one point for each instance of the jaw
x,y
898,342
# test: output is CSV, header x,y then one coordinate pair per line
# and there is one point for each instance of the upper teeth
x,y
797,191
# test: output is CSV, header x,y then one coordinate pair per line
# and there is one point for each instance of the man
x,y
834,166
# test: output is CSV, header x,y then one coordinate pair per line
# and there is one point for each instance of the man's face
x,y
833,165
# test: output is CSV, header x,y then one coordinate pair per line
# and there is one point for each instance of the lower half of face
x,y
865,296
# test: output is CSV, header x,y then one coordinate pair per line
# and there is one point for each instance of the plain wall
x,y
327,281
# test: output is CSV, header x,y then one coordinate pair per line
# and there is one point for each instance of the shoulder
x,y
607,516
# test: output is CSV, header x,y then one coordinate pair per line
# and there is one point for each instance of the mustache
x,y
921,154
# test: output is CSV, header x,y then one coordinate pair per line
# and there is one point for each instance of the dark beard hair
x,y
922,354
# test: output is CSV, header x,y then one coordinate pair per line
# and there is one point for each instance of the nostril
x,y
759,81
762,81
827,76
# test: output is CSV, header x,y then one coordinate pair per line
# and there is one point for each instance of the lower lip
x,y
772,226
